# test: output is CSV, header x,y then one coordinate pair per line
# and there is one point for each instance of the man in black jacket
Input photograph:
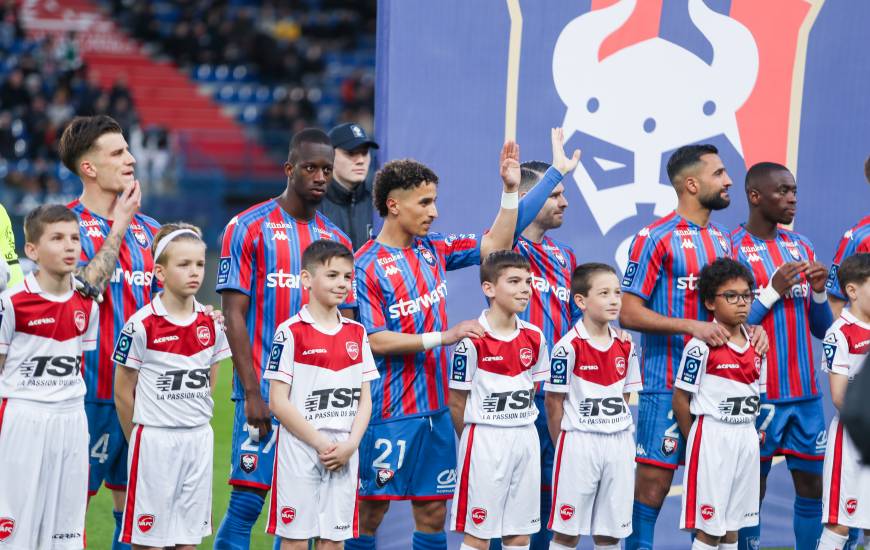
x,y
348,200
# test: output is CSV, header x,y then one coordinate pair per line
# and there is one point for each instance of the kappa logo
x,y
851,506
280,236
7,527
248,462
145,522
669,445
203,334
94,232
384,476
708,512
288,514
620,366
566,512
526,357
753,257
352,350
79,320
686,243
478,515
392,270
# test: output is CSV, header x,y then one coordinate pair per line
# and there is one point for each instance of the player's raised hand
x,y
712,334
257,414
509,164
787,275
817,274
127,203
465,329
758,338
560,161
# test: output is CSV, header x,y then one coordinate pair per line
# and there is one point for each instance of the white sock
x,y
698,545
524,547
556,546
607,546
727,546
831,540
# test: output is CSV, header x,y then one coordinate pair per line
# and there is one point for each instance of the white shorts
x,y
308,500
722,477
499,489
43,474
169,490
593,484
846,482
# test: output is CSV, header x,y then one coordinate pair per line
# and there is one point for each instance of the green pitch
x,y
101,524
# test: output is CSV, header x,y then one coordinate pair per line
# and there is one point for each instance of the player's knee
x,y
565,540
652,485
516,540
707,538
119,499
807,485
429,516
603,541
763,489
371,514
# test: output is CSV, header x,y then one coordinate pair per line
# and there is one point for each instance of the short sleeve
x,y
369,367
236,264
281,364
89,338
221,349
460,250
644,265
130,347
692,365
633,381
561,367
370,301
541,369
7,324
463,365
836,353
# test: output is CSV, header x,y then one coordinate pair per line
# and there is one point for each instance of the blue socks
x,y
854,540
119,518
749,538
429,541
362,542
807,522
234,532
643,522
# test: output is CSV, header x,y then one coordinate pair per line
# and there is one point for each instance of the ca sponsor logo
x,y
145,522
446,480
478,515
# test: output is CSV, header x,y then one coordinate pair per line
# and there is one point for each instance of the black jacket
x,y
351,211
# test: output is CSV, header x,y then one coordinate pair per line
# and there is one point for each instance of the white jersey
x,y
501,374
726,380
846,345
174,359
325,369
595,380
43,337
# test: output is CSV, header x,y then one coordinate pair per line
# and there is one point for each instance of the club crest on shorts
x,y
7,527
566,512
669,445
288,514
145,522
203,334
352,350
385,475
620,366
707,512
80,321
248,462
851,506
526,357
427,255
478,515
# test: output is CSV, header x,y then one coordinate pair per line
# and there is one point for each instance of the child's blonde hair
x,y
191,233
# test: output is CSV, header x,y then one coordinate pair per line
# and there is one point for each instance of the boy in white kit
x,y
167,356
320,366
44,328
592,372
492,405
846,482
716,399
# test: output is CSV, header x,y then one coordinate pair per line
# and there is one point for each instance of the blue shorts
x,y
548,451
252,461
107,449
659,441
796,430
409,459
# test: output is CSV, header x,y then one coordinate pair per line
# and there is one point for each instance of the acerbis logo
x,y
425,301
282,279
164,339
41,321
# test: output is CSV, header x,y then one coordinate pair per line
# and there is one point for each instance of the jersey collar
x,y
850,318
31,285
581,331
159,309
305,316
485,323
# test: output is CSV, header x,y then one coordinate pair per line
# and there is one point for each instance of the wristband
x,y
820,297
431,340
510,201
768,296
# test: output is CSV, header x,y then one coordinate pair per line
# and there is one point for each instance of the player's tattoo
x,y
101,267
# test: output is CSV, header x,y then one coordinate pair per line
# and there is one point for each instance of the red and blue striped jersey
x,y
129,289
261,257
405,290
855,241
790,372
664,261
551,308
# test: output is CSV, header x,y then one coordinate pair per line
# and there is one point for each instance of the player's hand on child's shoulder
x,y
758,338
712,334
87,290
216,315
465,329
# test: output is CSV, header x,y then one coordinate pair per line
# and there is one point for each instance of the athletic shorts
x,y
43,474
795,429
547,448
722,477
498,493
107,448
846,482
169,496
252,457
593,484
659,441
409,459
309,501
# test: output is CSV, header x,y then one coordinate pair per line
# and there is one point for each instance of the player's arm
x,y
838,383
343,451
558,385
212,378
99,269
687,382
10,269
554,404
680,403
292,419
456,401
635,315
125,396
821,316
463,366
388,342
235,307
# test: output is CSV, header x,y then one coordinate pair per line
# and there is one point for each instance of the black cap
x,y
349,136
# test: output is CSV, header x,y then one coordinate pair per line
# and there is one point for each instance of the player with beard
x,y
792,307
260,287
661,301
